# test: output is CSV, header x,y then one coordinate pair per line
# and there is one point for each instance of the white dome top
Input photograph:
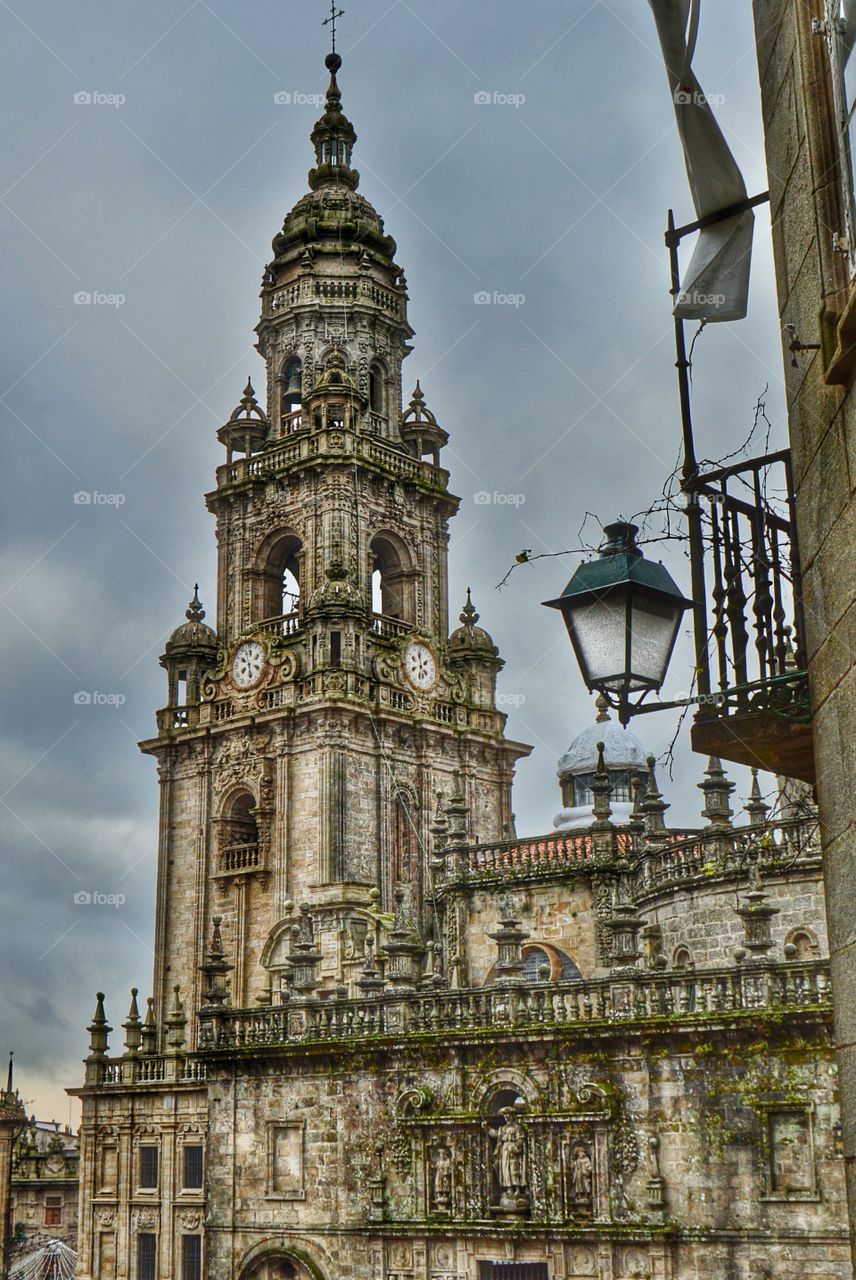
x,y
622,749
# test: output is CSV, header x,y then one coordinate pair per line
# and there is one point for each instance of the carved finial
x,y
176,1021
133,1026
149,1043
602,709
248,407
716,789
194,611
601,792
98,1029
653,806
755,807
469,617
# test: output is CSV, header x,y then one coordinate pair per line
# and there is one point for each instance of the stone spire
x,y
98,1031
601,789
716,789
133,1027
333,138
653,806
756,809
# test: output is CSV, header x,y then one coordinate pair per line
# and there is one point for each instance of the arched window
x,y
277,591
686,994
392,578
804,943
377,389
292,385
548,964
239,835
405,845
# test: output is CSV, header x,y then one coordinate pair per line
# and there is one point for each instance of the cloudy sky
x,y
147,162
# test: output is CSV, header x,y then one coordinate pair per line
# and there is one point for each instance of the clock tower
x,y
309,740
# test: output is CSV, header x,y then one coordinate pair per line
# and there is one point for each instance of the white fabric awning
x,y
716,282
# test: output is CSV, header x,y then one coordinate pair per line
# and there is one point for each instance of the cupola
x,y
624,757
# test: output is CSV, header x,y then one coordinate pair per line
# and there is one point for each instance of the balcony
x,y
750,636
647,1000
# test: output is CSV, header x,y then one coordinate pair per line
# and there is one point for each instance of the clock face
x,y
419,666
248,664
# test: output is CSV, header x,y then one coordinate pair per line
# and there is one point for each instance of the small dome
x,y
622,749
194,633
469,638
623,753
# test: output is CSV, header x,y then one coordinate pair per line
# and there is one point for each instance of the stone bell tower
x,y
309,739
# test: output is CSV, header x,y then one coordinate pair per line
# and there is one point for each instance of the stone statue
x,y
442,1177
581,1174
509,1159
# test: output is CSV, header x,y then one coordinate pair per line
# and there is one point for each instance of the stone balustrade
x,y
674,858
637,997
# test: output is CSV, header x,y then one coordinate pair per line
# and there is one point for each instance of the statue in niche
x,y
509,1162
441,1177
581,1175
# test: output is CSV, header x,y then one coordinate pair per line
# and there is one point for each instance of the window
x,y
148,1167
512,1270
192,1168
841,34
376,388
191,1257
620,780
335,648
147,1256
53,1211
539,965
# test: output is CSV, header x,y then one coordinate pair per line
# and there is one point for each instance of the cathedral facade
x,y
389,1038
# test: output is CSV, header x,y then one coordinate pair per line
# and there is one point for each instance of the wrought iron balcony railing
x,y
750,628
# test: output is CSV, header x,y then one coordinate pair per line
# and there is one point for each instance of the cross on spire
x,y
331,23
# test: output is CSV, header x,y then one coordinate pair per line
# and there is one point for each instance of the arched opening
x,y
292,390
405,844
392,578
273,1268
508,1157
278,578
239,833
543,963
683,962
804,944
377,388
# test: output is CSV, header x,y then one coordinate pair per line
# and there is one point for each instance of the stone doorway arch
x,y
272,1261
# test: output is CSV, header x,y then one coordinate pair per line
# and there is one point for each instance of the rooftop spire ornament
x,y
331,23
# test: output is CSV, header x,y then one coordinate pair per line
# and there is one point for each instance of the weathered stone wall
x,y
814,291
114,1209
747,1159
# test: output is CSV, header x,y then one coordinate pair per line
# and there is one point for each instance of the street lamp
x,y
622,613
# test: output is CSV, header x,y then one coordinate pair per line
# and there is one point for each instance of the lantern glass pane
x,y
598,632
654,626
